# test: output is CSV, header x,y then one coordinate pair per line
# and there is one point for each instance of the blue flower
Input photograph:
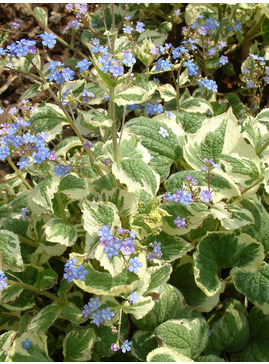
x,y
3,280
126,346
97,318
128,60
94,303
23,162
111,249
83,65
26,344
87,311
205,196
68,74
49,39
4,152
81,272
70,273
163,132
106,313
140,27
105,234
180,222
133,298
192,68
127,29
116,70
134,265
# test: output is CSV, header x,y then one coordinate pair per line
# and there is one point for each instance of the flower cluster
x,y
129,27
20,48
71,272
157,253
98,316
3,280
14,138
122,242
208,84
58,73
61,170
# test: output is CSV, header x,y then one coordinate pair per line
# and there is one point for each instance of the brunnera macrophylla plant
x,y
143,235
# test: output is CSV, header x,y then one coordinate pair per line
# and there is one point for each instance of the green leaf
x,y
58,231
38,351
133,95
126,202
257,348
158,277
41,14
72,313
196,105
221,184
168,305
167,92
140,308
11,252
209,358
102,283
183,278
136,175
10,294
223,250
173,247
97,214
220,138
40,199
147,130
5,344
143,343
254,285
190,121
77,87
230,330
49,119
155,36
46,279
78,344
94,118
259,230
114,265
165,354
188,337
45,318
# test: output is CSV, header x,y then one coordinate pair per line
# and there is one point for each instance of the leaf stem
x,y
19,174
35,289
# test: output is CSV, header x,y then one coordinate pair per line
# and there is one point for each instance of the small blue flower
x,y
127,29
205,196
133,298
111,249
3,280
134,265
70,273
87,311
26,344
126,346
83,65
81,272
23,162
106,313
49,39
180,222
94,303
163,132
140,27
97,318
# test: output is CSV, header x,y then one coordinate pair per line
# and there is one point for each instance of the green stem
x,y
19,174
60,203
112,116
35,289
265,145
